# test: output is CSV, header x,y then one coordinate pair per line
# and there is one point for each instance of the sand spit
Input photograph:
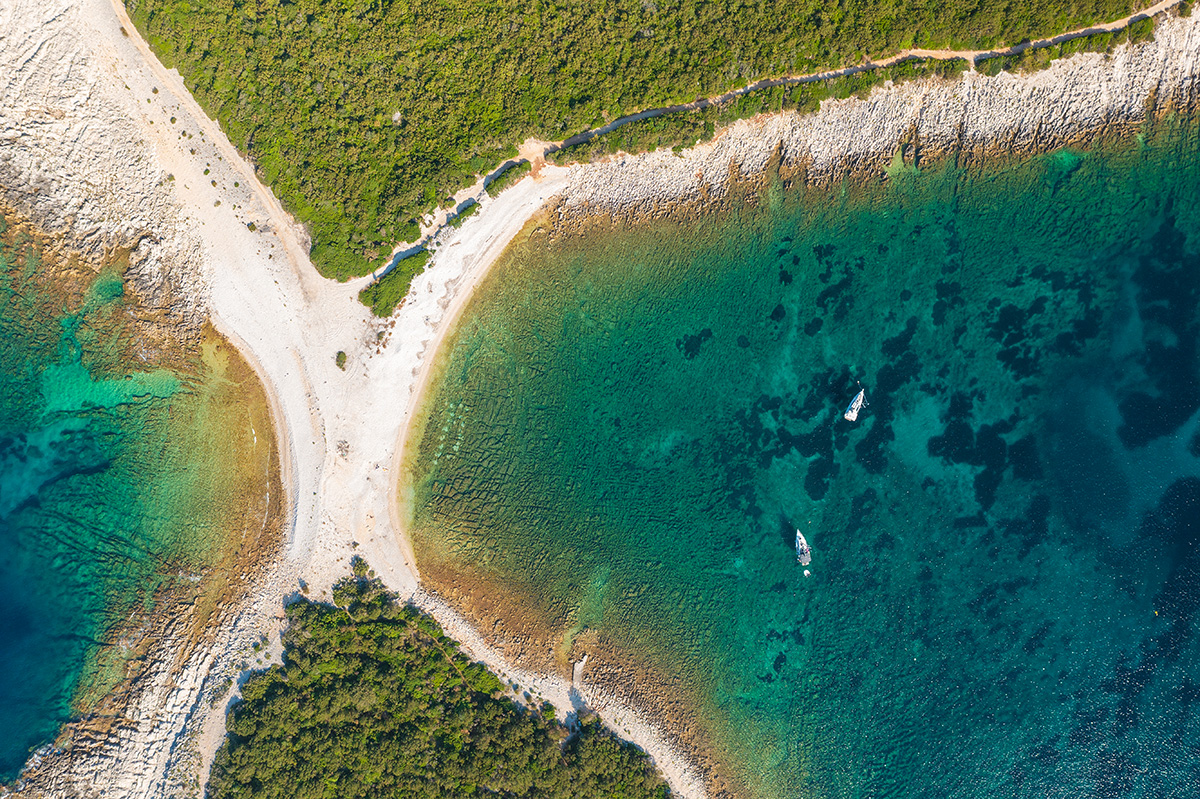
x,y
100,143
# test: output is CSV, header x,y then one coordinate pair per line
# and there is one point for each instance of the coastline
x,y
1076,102
971,117
212,507
341,432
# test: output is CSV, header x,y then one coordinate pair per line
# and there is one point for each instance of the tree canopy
x,y
373,700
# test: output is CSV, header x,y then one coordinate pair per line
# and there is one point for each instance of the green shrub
x,y
465,213
410,231
507,178
678,131
1142,30
386,293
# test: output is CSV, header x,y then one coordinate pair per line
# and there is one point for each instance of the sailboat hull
x,y
855,406
803,553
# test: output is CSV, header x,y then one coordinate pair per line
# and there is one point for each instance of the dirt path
x,y
535,150
972,57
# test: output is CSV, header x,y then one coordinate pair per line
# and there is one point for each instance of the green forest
x,y
373,700
363,114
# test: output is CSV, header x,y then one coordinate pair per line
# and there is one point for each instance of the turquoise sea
x,y
629,425
128,471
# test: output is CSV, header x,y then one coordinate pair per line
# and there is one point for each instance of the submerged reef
x,y
138,487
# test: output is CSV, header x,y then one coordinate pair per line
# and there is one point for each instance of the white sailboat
x,y
856,404
803,553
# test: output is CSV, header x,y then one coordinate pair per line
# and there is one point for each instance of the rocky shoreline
x,y
1080,102
973,118
77,165
74,159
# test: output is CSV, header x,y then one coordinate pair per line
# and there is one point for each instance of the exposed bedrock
x,y
972,117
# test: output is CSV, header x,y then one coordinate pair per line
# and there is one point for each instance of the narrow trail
x,y
972,57
535,150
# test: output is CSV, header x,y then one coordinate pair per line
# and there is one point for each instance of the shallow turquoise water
x,y
629,428
104,494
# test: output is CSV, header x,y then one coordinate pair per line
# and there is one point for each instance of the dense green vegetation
x,y
362,114
385,294
465,213
372,700
508,177
1041,58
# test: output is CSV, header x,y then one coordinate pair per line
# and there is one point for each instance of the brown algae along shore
x,y
141,486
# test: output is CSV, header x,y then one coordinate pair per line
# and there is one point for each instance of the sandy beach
x,y
102,143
